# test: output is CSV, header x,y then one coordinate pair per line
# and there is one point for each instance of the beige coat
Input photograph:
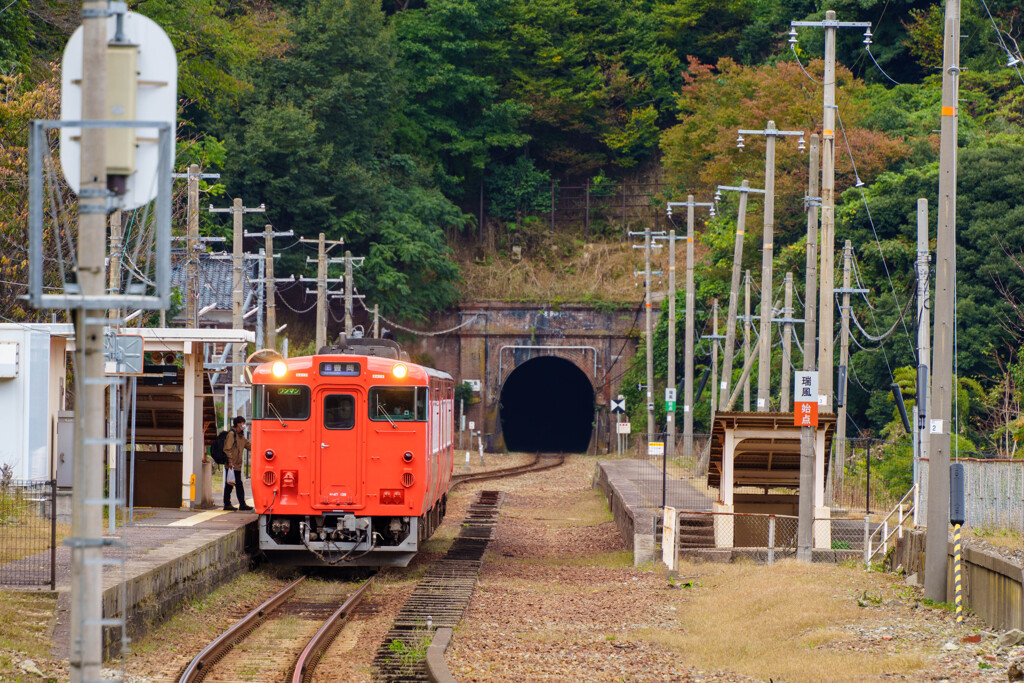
x,y
234,444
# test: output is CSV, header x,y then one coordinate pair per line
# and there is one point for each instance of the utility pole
x,y
670,423
114,285
648,325
323,247
828,198
237,211
376,321
942,388
746,339
844,353
691,314
764,366
923,338
787,344
269,281
715,339
193,240
805,500
349,285
737,264
259,299
87,492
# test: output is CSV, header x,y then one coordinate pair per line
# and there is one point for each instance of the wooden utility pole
x,y
940,427
805,500
734,289
269,281
86,655
787,345
323,247
237,211
746,339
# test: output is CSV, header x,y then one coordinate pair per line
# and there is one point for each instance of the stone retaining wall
x,y
636,528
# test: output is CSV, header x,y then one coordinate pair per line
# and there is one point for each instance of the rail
x,y
311,654
882,530
198,668
534,465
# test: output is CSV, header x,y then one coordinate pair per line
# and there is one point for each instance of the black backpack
x,y
217,449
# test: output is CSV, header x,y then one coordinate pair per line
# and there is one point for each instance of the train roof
x,y
374,364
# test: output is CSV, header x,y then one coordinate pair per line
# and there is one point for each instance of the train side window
x,y
339,411
281,402
398,404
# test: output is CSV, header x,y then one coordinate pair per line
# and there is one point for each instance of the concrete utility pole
x,y
237,211
715,339
376,321
323,247
787,345
269,281
828,203
923,338
691,313
737,264
87,492
746,339
747,367
942,389
764,366
670,423
805,501
844,352
349,285
648,325
114,285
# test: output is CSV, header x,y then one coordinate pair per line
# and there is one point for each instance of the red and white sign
x,y
805,399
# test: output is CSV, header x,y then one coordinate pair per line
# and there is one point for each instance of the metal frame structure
x,y
161,300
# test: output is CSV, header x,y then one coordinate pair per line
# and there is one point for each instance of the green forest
x,y
384,123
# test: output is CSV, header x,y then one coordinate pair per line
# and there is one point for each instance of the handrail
x,y
902,516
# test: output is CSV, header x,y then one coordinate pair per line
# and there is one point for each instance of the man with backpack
x,y
234,445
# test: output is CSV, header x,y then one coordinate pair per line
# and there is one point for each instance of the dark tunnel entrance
x,y
547,404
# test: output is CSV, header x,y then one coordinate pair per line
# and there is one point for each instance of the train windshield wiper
x,y
380,409
270,404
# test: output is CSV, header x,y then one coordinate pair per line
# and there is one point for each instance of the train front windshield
x,y
398,404
281,402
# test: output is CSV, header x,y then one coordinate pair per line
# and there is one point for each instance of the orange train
x,y
352,453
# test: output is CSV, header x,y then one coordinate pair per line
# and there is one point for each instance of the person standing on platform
x,y
234,445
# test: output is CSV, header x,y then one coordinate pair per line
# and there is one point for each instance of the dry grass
x,y
590,509
784,622
1001,538
560,268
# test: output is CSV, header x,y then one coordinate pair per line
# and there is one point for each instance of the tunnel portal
x,y
547,404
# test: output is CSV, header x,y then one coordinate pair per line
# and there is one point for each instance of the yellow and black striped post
x,y
957,578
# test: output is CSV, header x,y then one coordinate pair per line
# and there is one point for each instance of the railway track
x,y
439,600
541,461
283,653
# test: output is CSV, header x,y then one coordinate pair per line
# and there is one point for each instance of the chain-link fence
x,y
868,475
762,538
671,472
993,493
28,533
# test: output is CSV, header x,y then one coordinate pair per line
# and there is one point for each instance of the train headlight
x,y
279,368
399,371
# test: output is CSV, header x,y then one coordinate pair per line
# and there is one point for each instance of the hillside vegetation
x,y
385,123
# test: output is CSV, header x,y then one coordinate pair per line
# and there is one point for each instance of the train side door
x,y
340,472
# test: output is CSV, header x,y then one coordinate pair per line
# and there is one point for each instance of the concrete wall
x,y
474,352
635,523
992,585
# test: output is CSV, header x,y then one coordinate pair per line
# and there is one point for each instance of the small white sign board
x,y
655,448
669,536
623,428
805,387
157,100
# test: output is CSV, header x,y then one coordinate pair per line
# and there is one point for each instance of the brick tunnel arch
x,y
547,404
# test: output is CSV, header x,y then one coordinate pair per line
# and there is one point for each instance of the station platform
x,y
168,556
634,492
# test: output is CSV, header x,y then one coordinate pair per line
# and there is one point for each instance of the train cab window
x,y
339,411
281,402
398,404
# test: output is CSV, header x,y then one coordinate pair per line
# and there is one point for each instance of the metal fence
x,y
28,533
762,538
667,474
857,478
993,493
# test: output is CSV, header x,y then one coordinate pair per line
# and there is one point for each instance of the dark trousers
x,y
239,487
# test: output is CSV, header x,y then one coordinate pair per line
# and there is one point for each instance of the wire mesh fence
x,y
868,475
761,537
28,533
671,471
993,493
